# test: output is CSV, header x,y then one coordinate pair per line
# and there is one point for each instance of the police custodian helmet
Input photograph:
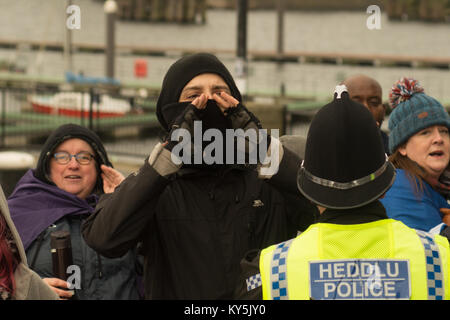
x,y
345,165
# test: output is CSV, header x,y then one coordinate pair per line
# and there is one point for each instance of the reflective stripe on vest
x,y
434,266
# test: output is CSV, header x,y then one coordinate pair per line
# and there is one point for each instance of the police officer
x,y
354,251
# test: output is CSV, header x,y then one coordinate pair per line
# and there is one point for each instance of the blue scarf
x,y
35,205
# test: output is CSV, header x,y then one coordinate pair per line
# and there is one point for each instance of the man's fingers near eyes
x,y
225,100
200,101
220,100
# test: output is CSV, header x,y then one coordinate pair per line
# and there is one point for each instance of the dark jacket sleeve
x,y
286,177
120,217
249,286
301,211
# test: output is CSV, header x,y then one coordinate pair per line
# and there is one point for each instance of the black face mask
x,y
213,118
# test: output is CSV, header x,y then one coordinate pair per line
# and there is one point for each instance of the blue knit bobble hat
x,y
412,111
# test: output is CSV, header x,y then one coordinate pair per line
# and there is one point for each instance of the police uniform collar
x,y
369,213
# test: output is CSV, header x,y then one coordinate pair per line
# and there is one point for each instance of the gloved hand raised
x,y
192,112
161,157
270,151
241,118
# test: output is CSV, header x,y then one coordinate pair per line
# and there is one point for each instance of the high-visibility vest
x,y
378,260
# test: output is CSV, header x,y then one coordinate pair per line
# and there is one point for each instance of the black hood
x,y
63,133
183,71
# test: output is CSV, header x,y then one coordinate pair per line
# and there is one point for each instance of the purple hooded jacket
x,y
35,205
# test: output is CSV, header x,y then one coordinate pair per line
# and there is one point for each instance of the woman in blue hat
x,y
419,142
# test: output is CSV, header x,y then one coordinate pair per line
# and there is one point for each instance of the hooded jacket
x,y
38,208
29,286
197,224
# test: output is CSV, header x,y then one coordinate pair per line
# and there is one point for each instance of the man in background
x,y
368,92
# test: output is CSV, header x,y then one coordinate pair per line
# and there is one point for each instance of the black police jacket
x,y
197,226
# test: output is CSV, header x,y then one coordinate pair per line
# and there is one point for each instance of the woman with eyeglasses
x,y
73,170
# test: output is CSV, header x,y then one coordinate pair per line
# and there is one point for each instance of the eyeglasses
x,y
64,157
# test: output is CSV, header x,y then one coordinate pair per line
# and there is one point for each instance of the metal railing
x,y
29,115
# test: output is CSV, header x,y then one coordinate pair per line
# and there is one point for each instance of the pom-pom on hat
x,y
412,111
403,90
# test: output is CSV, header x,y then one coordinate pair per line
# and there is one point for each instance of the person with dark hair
x,y
420,145
17,281
354,251
196,219
73,170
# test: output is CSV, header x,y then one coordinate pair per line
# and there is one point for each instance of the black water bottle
x,y
61,249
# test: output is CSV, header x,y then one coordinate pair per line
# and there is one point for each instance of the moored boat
x,y
78,104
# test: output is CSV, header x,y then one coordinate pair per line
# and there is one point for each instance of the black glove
x,y
242,118
184,121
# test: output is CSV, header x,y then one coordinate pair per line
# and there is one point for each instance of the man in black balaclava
x,y
197,221
200,88
179,75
